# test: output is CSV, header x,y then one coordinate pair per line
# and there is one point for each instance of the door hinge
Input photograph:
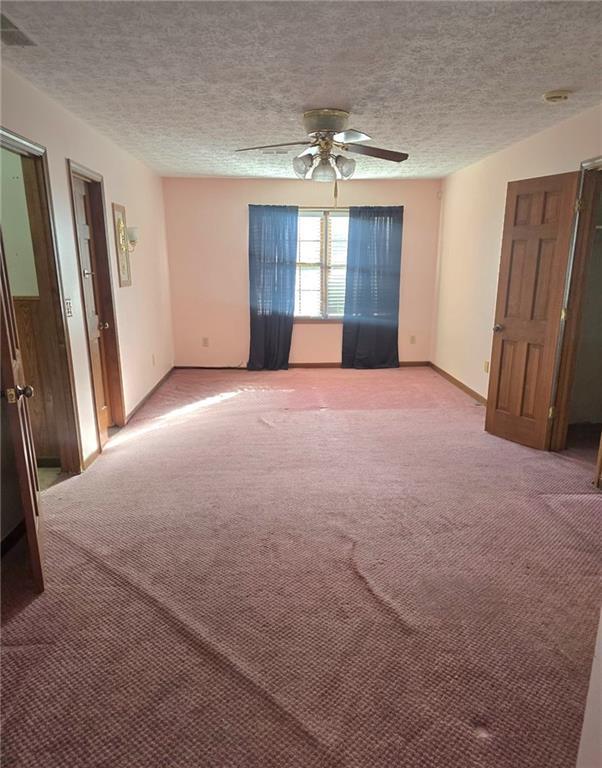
x,y
563,312
578,204
551,412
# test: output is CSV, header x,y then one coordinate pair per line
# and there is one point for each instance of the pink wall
x,y
207,221
143,310
471,237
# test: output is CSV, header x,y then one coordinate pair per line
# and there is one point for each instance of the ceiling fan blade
x,y
384,154
351,136
313,150
270,146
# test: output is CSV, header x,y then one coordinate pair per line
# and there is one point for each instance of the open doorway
x,y
35,290
42,389
87,195
584,385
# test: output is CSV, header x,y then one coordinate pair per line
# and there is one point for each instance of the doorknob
x,y
103,326
26,391
497,328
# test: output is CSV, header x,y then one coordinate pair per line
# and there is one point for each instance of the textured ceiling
x,y
182,85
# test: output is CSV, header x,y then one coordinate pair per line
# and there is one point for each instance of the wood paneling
x,y
35,348
535,249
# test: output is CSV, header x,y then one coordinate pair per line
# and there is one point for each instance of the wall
x,y
207,223
143,312
16,233
471,234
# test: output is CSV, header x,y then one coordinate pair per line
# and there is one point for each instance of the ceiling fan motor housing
x,y
325,120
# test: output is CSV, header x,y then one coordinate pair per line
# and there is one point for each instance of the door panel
x,y
92,303
16,394
535,248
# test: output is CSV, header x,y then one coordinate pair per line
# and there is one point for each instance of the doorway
x,y
87,192
35,288
40,428
579,398
546,372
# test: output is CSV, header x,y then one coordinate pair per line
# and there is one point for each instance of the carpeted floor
x,y
304,569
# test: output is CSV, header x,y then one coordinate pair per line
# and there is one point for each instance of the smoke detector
x,y
555,97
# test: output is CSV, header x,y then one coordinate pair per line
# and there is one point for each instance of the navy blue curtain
x,y
372,288
272,266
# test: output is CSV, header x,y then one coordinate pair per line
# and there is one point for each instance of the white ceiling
x,y
183,84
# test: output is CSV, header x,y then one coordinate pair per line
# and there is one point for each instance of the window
x,y
321,264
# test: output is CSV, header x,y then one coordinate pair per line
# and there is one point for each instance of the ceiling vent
x,y
11,34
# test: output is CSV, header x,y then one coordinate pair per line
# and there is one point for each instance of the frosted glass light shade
x,y
345,166
132,236
324,171
302,164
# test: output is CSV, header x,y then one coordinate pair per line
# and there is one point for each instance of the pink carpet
x,y
308,569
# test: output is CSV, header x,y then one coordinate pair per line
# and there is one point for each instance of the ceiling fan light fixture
x,y
324,171
302,164
345,166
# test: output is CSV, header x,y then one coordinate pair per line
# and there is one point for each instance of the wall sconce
x,y
132,238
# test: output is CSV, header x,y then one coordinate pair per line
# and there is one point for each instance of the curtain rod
x,y
322,208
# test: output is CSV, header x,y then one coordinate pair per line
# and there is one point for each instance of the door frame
x,y
69,436
570,322
105,288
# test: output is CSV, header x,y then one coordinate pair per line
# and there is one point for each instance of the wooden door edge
x,y
592,183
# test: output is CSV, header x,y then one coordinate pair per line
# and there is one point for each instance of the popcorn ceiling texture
x,y
307,569
182,85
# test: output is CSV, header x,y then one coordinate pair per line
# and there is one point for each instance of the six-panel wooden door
x,y
535,248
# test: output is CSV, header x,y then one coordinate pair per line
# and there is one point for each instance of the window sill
x,y
310,320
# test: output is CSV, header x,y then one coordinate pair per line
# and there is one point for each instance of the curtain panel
x,y
372,288
272,267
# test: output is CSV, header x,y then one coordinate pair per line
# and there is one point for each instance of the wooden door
x,y
17,392
92,302
535,249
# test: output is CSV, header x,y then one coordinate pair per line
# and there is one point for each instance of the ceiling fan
x,y
326,130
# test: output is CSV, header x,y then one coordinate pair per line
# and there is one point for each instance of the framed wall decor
x,y
122,245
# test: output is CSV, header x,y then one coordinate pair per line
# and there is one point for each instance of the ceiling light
x,y
324,171
302,164
345,166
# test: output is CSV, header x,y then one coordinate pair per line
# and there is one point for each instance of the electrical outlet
x,y
412,339
486,366
205,341
68,307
